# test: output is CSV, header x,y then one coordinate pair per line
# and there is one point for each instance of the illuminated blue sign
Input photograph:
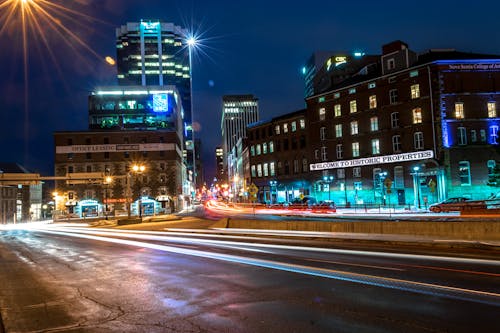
x,y
160,102
150,26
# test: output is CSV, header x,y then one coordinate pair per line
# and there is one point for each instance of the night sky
x,y
254,47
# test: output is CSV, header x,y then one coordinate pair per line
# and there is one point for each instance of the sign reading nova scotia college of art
x,y
415,156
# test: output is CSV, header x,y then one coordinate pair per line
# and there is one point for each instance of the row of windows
x,y
372,102
293,127
105,140
126,154
462,138
464,171
272,169
491,108
418,143
269,147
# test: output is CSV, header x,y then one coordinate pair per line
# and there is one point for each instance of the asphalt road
x,y
57,279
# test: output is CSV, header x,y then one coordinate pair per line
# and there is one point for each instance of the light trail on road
x,y
434,289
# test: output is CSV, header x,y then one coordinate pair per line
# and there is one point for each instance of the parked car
x,y
457,204
324,207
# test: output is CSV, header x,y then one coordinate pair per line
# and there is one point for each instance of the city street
x,y
78,279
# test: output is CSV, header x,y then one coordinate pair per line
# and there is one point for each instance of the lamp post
x,y
136,168
273,183
417,185
328,180
382,176
191,42
107,180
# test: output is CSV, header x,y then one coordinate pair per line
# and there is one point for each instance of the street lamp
x,y
107,180
273,183
328,180
191,42
136,168
382,176
417,184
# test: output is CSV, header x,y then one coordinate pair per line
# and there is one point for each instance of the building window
x,y
375,146
254,174
393,96
414,73
491,164
277,129
415,91
294,126
272,169
340,151
494,134
271,147
396,143
324,155
482,134
70,156
374,124
322,114
356,172
337,110
391,64
266,170
473,135
302,123
322,133
462,136
336,95
372,85
355,149
252,151
399,180
395,119
70,169
285,128
352,91
341,173
373,101
295,166
459,110
464,173
417,116
106,155
354,127
492,110
259,170
338,130
316,154
304,165
258,150
353,107
418,140
264,148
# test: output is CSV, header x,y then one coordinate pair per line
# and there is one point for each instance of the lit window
x,y
393,96
413,73
322,114
341,173
254,174
396,143
258,150
294,126
277,129
322,133
462,136
340,151
417,115
459,110
302,123
295,166
337,110
399,180
371,85
321,99
492,110
272,169
352,91
415,91
395,119
264,148
324,154
418,140
355,149
336,95
373,101
464,173
252,150
266,170
259,170
271,147
285,128
375,146
374,124
482,134
356,172
354,127
353,107
491,164
338,130
494,134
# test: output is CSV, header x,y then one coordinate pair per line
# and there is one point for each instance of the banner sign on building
x,y
396,158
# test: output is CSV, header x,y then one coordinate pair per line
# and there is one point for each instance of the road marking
x,y
351,264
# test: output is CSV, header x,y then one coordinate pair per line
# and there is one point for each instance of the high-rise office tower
x,y
237,112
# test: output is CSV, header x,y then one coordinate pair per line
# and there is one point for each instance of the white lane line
x,y
392,283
